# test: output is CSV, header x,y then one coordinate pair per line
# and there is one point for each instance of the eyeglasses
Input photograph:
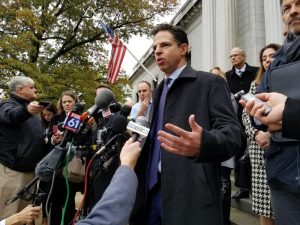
x,y
234,55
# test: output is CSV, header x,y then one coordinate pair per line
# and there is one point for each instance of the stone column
x,y
224,32
273,22
208,37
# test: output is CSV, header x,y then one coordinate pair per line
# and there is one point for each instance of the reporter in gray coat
x,y
117,201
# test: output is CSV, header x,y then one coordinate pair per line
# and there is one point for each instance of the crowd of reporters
x,y
30,144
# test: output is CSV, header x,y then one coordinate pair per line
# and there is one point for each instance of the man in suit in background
x,y
191,133
239,78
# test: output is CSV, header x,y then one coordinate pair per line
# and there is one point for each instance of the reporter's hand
x,y
57,137
26,216
34,108
130,153
274,119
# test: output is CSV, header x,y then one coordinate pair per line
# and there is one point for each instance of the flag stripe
x,y
117,53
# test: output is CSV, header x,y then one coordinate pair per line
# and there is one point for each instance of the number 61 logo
x,y
72,122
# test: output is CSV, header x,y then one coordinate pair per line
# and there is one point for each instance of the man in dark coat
x,y
21,141
196,130
239,78
282,158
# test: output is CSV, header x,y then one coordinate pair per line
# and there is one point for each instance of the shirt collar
x,y
243,69
175,75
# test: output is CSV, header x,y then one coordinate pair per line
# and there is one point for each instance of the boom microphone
x,y
139,128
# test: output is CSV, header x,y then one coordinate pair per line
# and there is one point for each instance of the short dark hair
x,y
178,33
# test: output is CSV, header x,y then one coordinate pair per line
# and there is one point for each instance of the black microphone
x,y
78,108
139,128
104,99
115,107
117,125
102,102
125,110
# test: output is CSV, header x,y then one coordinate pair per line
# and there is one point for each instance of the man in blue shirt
x,y
143,106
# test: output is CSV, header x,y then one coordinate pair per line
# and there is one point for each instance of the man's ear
x,y
19,90
184,48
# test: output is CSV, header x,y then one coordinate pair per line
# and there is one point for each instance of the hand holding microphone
x,y
130,153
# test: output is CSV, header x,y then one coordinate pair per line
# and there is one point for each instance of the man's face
x,y
144,91
291,15
237,58
168,55
27,92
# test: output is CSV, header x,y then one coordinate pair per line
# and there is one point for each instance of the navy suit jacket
x,y
191,186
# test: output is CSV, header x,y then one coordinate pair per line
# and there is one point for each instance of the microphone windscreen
x,y
115,107
104,98
118,124
125,110
141,120
78,108
50,163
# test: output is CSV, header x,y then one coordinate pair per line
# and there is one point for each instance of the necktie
x,y
155,158
240,73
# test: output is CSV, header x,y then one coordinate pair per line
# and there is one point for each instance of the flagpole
x,y
142,65
139,62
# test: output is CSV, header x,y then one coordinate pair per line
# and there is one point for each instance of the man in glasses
x,y
239,78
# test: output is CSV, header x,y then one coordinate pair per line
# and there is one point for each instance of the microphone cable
x,y
85,190
86,176
68,156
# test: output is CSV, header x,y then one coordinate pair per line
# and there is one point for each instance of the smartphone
x,y
248,97
43,103
54,129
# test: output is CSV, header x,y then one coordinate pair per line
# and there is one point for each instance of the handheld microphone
x,y
117,125
78,108
102,101
139,128
125,110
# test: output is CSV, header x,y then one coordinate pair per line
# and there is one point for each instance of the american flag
x,y
117,53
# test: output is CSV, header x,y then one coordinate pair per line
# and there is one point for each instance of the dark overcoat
x,y
191,186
